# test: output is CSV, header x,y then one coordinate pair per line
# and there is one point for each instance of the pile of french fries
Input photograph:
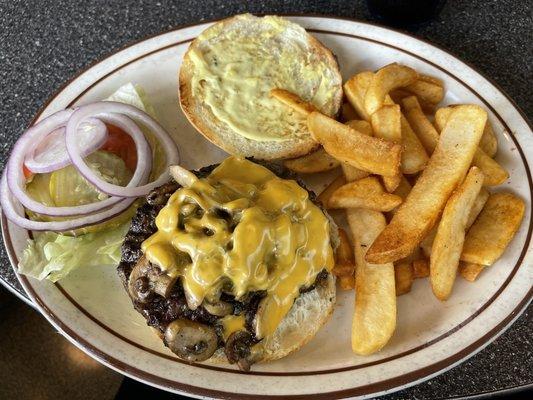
x,y
414,185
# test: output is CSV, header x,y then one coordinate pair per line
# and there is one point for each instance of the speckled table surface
x,y
44,43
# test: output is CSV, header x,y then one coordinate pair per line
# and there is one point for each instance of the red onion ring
x,y
17,216
16,180
103,110
50,154
12,182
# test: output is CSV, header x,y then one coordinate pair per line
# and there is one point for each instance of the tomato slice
x,y
27,173
118,143
122,145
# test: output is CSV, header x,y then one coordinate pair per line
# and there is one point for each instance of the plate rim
x,y
435,368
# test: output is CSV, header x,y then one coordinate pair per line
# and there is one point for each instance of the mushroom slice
x,y
162,284
190,340
145,279
238,349
183,176
220,308
139,287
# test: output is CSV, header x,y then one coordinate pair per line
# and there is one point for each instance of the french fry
x,y
470,271
420,268
415,255
399,94
388,78
344,267
427,89
441,117
347,282
355,89
392,182
386,124
294,101
446,168
480,201
494,173
348,113
345,249
357,149
420,124
448,243
478,205
427,243
410,103
318,161
403,277
403,188
361,126
414,157
352,173
488,142
402,191
364,193
374,319
493,229
430,79
324,196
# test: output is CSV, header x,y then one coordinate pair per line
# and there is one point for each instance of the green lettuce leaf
x,y
133,95
53,256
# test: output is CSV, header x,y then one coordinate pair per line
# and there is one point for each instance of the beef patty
x,y
163,307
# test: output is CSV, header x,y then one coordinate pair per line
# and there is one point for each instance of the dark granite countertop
x,y
44,43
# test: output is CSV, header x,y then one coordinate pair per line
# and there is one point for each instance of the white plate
x,y
92,310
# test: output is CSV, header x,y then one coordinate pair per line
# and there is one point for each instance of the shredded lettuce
x,y
133,95
53,256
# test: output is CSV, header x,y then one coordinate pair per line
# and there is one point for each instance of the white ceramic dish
x,y
92,310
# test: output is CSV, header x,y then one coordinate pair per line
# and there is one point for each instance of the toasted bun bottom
x,y
310,311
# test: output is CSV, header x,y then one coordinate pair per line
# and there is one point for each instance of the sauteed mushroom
x,y
183,176
162,284
220,308
190,340
146,278
238,349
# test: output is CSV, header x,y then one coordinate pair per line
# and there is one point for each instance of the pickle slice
x,y
66,187
69,188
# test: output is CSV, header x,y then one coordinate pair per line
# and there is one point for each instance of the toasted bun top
x,y
229,70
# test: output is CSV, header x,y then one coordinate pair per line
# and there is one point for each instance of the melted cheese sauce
x,y
242,229
232,323
234,73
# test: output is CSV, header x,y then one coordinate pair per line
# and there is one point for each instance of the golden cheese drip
x,y
242,229
231,324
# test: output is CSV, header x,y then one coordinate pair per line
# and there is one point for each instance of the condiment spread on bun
x,y
228,72
235,69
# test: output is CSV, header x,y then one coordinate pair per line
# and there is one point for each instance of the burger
x,y
231,263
